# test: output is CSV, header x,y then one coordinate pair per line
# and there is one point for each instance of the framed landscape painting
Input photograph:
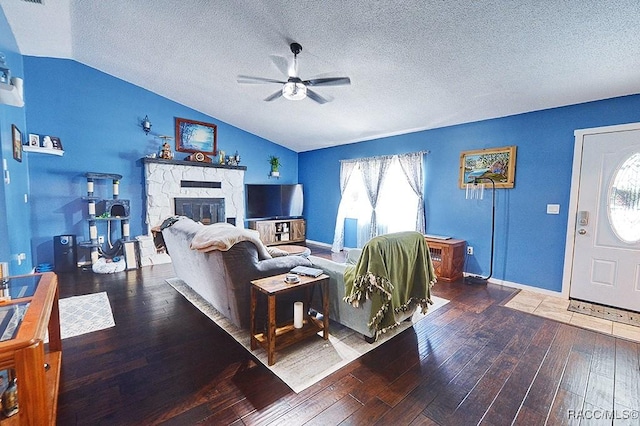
x,y
196,136
497,164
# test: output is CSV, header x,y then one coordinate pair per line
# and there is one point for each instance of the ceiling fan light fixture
x,y
294,91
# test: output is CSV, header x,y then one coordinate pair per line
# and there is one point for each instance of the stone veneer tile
x,y
162,183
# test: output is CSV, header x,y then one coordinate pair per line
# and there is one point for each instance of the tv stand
x,y
280,231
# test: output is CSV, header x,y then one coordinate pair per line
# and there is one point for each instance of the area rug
x,y
307,362
85,314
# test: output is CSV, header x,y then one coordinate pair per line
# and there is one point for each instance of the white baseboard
x,y
529,288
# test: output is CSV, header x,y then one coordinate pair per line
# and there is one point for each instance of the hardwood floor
x,y
471,362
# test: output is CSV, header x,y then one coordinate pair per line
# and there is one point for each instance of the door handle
x,y
582,231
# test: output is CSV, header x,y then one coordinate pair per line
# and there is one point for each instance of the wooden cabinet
x,y
447,257
281,231
29,309
298,230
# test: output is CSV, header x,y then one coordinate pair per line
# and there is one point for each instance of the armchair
x,y
397,266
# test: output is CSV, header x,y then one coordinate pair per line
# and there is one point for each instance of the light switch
x,y
553,208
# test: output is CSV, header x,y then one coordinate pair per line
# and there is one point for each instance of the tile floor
x,y
556,308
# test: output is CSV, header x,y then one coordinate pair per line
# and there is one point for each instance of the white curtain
x,y
346,171
412,167
395,190
373,173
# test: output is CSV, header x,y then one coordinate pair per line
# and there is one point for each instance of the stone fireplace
x,y
203,191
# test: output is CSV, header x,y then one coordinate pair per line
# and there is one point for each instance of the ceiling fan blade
x,y
316,97
246,79
281,63
329,81
275,96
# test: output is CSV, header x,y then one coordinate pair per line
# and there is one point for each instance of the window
x,y
624,200
397,207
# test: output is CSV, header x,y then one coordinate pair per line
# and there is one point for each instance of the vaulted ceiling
x,y
413,64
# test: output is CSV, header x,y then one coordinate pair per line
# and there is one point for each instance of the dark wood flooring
x,y
471,362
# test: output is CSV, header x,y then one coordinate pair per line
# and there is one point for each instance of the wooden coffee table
x,y
278,337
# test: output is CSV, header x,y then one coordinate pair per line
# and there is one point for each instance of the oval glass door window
x,y
624,200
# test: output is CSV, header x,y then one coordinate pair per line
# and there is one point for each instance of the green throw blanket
x,y
395,272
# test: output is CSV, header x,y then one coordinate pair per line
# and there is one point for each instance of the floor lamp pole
x,y
478,279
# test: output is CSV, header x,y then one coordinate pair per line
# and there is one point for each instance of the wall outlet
x,y
101,239
470,250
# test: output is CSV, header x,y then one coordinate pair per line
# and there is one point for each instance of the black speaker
x,y
64,253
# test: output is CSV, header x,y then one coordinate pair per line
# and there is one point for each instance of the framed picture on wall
x,y
17,143
196,136
497,164
34,140
55,141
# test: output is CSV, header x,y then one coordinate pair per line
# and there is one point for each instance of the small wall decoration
x,y
34,140
497,164
55,141
196,136
47,142
17,143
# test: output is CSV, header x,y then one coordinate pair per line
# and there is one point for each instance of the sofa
x,y
221,270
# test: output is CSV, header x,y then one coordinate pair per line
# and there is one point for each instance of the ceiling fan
x,y
295,89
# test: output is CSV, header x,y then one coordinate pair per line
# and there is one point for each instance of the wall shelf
x,y
40,150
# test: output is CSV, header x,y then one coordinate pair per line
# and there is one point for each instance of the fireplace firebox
x,y
204,210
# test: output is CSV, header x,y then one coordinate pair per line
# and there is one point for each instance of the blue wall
x,y
529,243
97,118
15,233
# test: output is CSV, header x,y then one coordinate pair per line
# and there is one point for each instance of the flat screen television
x,y
265,201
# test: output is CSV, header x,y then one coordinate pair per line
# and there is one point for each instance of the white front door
x,y
606,256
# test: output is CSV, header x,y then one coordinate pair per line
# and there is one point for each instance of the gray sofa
x,y
341,311
223,277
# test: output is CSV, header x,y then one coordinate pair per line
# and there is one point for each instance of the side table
x,y
447,257
278,337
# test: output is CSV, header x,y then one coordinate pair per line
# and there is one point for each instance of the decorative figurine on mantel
x,y
165,151
234,160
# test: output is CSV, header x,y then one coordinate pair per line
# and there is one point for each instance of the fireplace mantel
x,y
147,160
166,180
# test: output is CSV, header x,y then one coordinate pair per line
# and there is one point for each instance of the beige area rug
x,y
307,362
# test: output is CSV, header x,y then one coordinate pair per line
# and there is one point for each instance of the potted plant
x,y
275,165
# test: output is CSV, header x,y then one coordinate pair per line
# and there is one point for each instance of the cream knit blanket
x,y
222,236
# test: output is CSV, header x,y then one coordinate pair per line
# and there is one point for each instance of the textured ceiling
x,y
414,64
